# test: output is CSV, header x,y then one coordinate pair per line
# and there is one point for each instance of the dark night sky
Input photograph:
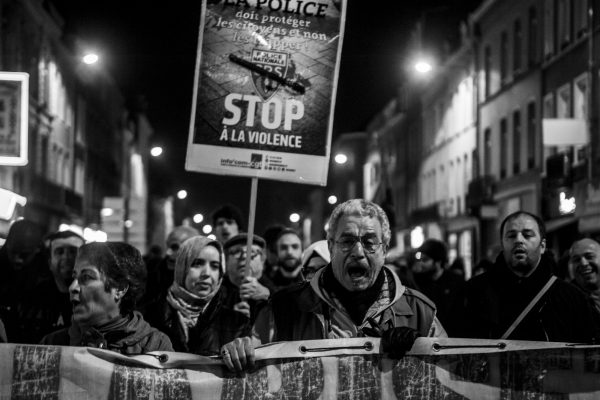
x,y
150,49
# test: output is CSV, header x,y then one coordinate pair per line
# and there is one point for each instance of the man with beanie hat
x,y
436,282
228,222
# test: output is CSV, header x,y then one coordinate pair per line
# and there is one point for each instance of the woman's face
x,y
204,274
92,304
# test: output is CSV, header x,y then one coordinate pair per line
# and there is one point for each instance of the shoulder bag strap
x,y
529,307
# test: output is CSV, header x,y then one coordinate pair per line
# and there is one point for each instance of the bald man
x,y
584,258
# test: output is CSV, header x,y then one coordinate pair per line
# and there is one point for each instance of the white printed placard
x,y
264,90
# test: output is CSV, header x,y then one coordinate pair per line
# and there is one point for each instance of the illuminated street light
x,y
294,217
198,218
341,158
90,58
207,229
182,194
332,199
423,67
156,151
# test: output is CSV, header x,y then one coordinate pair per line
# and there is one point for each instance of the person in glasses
x,y
354,295
246,287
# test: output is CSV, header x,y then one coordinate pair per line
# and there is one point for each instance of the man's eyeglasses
x,y
242,252
369,243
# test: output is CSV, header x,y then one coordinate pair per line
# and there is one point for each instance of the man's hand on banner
x,y
238,355
397,341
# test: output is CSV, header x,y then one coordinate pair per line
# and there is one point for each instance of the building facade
x,y
81,138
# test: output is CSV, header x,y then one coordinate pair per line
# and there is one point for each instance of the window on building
x,y
531,134
563,101
517,46
563,20
516,142
580,106
503,57
548,112
503,148
487,154
532,39
580,97
44,149
548,28
580,17
487,70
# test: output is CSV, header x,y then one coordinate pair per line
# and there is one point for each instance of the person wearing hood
x,y
194,314
354,295
315,257
108,280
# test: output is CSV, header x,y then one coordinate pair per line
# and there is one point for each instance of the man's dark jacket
x,y
495,299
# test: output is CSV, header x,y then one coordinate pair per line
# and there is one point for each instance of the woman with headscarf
x,y
108,280
315,257
193,313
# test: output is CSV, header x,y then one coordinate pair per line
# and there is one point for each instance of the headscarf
x,y
320,248
188,305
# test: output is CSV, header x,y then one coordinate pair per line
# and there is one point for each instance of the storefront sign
x,y
264,92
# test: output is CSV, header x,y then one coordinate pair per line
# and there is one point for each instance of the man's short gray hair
x,y
363,208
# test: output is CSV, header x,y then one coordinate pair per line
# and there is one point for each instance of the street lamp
x,y
156,151
198,218
294,217
207,229
332,199
341,158
90,58
423,66
182,194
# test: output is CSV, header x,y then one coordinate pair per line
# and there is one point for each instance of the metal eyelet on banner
x,y
162,358
368,346
438,347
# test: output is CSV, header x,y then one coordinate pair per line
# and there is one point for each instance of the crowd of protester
x,y
224,296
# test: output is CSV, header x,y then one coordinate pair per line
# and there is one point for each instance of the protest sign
x,y
264,90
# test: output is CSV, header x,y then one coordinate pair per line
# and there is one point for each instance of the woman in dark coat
x,y
109,279
193,313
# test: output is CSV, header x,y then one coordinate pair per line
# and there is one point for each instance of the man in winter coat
x,y
498,300
355,295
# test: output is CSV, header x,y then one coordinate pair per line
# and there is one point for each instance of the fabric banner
x,y
325,369
265,86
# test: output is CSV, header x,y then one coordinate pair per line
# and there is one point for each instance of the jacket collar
x,y
318,294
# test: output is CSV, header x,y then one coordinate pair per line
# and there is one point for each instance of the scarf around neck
x,y
189,306
97,336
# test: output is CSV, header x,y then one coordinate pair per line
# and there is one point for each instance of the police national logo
x,y
272,61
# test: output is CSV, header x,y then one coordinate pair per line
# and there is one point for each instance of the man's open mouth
x,y
357,271
519,252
